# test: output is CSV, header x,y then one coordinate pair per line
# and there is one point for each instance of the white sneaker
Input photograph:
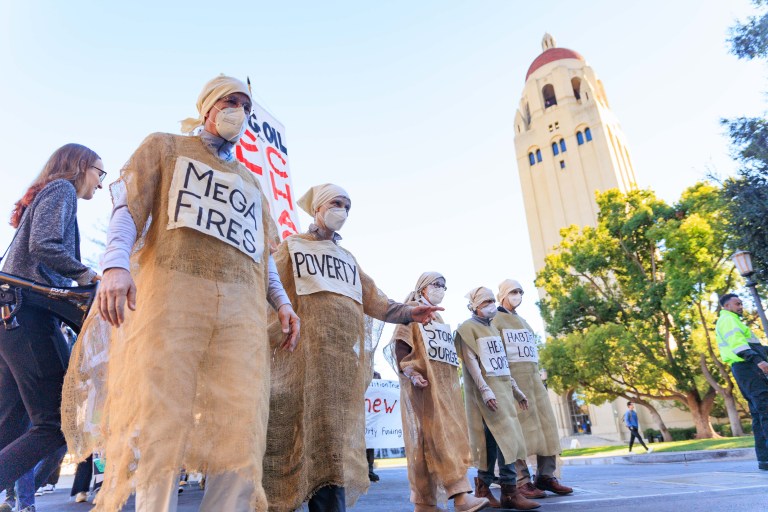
x,y
47,489
650,450
81,497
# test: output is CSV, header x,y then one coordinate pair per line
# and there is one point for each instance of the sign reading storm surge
x,y
218,204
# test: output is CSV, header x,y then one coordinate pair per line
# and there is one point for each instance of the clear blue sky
x,y
408,105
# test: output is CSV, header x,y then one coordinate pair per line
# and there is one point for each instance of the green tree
x,y
747,193
631,303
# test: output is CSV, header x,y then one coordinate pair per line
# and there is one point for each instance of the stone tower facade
x,y
568,145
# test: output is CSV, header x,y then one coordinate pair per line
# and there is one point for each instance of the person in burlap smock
x,y
434,422
187,372
491,398
316,437
538,421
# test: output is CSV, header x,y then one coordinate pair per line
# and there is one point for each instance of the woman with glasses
x,y
538,420
434,423
34,356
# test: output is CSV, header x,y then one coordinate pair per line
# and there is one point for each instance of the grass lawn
x,y
724,443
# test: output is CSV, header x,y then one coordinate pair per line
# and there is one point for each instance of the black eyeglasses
x,y
102,174
439,285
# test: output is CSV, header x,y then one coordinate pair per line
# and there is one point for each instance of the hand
x,y
291,326
418,381
96,279
424,314
116,288
492,404
763,366
523,404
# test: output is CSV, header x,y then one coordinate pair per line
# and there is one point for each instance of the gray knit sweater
x,y
47,247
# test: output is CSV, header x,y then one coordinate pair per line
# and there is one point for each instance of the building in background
x,y
569,145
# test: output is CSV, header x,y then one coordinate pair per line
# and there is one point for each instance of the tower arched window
x,y
549,96
588,134
562,146
531,159
576,84
580,138
555,151
538,155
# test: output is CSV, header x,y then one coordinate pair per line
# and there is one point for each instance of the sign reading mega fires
x,y
264,151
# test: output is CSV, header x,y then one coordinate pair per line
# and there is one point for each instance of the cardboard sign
x,y
263,151
438,343
492,356
323,266
218,204
520,345
383,423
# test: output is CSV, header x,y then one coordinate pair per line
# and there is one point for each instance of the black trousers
x,y
330,498
33,361
83,475
633,433
754,386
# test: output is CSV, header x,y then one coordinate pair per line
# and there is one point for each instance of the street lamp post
x,y
743,262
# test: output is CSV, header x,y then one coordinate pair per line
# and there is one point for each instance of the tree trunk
x,y
733,414
656,418
700,411
727,393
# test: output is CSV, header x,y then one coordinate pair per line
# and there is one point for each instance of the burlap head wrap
x,y
479,295
318,195
212,92
425,280
506,286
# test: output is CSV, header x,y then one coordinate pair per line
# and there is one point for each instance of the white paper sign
x,y
520,344
216,203
383,423
323,266
438,343
263,150
492,356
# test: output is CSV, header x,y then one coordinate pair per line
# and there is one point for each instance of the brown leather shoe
x,y
511,498
471,504
483,491
550,483
530,491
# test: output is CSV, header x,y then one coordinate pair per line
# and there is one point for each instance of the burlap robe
x,y
188,372
503,422
434,423
538,422
316,433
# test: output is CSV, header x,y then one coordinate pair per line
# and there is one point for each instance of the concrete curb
x,y
663,458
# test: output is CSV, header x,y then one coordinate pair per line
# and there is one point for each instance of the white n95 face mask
x,y
435,295
335,218
489,311
230,123
515,299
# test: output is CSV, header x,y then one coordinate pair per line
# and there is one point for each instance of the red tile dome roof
x,y
551,55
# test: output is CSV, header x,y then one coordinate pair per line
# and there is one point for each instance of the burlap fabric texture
x,y
538,422
316,433
434,423
503,422
188,372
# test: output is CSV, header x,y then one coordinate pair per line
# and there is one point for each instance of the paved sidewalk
x,y
663,457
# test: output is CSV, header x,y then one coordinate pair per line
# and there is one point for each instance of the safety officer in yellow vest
x,y
749,364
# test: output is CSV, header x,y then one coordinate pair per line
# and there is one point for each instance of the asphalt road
x,y
721,486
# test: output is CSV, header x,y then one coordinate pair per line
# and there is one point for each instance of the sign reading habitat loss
x,y
521,345
492,356
263,150
383,423
323,266
438,343
218,204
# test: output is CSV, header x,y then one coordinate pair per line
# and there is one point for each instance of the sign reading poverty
x,y
262,149
492,356
383,423
438,343
323,266
521,345
218,204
